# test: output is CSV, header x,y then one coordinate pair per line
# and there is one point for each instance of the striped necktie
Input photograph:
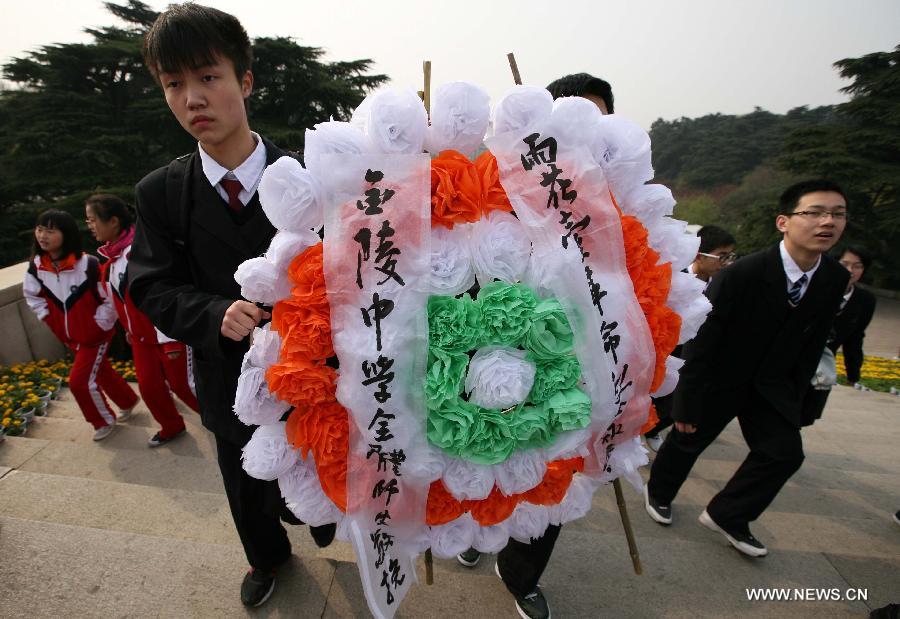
x,y
794,292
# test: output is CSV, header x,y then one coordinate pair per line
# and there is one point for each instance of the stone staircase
x,y
115,529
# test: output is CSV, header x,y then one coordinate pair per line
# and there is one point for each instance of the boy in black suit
x,y
753,359
198,219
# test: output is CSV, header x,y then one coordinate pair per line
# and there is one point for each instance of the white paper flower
x,y
577,502
673,365
521,472
626,458
569,445
448,540
332,137
491,539
499,377
460,114
687,299
424,462
291,197
467,480
528,522
573,121
303,495
647,202
394,121
286,246
262,282
523,107
254,404
670,238
451,261
693,317
267,455
500,248
626,161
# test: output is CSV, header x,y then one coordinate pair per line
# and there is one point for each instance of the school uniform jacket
x,y
183,279
69,300
850,330
754,341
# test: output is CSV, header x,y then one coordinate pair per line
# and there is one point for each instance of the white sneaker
x,y
654,442
102,433
125,414
744,542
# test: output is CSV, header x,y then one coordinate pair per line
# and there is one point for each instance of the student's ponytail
x,y
106,206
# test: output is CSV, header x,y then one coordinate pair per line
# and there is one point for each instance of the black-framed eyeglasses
x,y
725,258
820,215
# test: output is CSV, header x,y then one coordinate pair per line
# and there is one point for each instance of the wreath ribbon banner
x,y
564,202
377,269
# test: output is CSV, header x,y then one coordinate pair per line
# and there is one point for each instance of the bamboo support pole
x,y
514,68
429,568
629,532
426,98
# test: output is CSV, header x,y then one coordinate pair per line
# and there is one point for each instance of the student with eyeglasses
x,y
753,359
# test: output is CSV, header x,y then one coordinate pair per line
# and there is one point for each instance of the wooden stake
x,y
629,532
515,68
426,69
429,568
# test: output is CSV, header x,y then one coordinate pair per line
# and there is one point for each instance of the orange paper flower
x,y
497,507
321,429
333,479
665,325
308,276
455,190
301,382
441,507
652,420
305,331
493,195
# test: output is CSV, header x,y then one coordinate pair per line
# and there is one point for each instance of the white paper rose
x,y
626,458
286,246
491,539
500,248
448,540
394,121
569,445
262,282
332,137
499,377
303,495
523,107
521,472
254,404
626,161
291,196
673,365
647,202
577,502
528,522
467,480
267,455
451,261
670,238
573,121
460,114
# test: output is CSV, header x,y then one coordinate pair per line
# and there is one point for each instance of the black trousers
x,y
776,452
663,407
256,507
521,565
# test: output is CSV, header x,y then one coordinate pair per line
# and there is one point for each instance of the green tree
x,y
88,117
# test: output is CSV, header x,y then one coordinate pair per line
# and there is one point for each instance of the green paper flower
x,y
491,440
448,425
506,312
569,410
552,376
444,378
532,426
550,335
454,325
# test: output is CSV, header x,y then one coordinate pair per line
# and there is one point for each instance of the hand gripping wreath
x,y
469,352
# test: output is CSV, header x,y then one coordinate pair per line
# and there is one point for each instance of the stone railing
x,y
22,336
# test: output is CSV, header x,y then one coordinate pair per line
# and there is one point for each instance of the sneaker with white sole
x,y
469,558
744,542
102,433
531,606
126,413
158,440
659,512
897,517
654,442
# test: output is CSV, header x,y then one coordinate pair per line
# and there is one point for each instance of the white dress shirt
x,y
794,272
249,173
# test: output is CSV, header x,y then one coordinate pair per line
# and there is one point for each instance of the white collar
x,y
791,269
248,173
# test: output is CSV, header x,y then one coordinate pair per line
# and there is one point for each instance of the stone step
x,y
197,442
66,406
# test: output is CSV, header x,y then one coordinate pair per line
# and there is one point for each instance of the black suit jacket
x,y
183,279
753,341
850,329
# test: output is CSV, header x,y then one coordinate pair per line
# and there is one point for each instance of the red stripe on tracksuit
x,y
67,298
161,364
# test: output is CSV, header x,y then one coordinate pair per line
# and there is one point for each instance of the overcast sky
x,y
664,58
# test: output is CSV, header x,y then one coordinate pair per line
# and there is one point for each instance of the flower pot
x,y
41,409
45,395
25,414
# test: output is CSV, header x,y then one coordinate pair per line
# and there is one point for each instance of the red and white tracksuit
x,y
67,297
162,365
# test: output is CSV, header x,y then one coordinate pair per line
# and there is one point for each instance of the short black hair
x,y
106,206
580,84
191,36
791,196
864,254
65,223
714,237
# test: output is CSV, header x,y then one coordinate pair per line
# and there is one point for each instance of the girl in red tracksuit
x,y
62,288
158,359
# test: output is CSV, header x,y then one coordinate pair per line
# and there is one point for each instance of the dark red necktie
x,y
233,188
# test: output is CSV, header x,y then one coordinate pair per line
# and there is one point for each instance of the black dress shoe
x,y
287,516
257,587
324,535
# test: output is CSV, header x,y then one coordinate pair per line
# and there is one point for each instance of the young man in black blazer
x,y
753,359
198,219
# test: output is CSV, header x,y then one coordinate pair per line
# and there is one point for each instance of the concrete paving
x,y
114,529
